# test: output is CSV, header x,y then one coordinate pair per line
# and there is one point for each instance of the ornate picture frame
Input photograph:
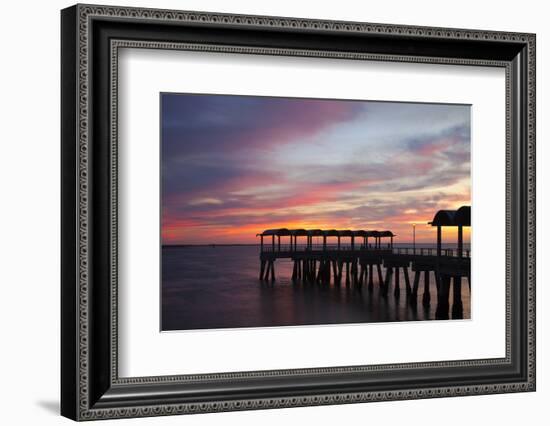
x,y
91,37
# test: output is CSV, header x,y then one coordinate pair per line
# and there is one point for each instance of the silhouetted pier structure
x,y
353,256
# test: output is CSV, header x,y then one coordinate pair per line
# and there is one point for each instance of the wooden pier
x,y
362,258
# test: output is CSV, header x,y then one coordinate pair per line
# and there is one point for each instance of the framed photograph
x,y
263,212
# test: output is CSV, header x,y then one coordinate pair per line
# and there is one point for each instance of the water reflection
x,y
205,287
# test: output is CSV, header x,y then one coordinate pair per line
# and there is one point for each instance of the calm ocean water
x,y
218,287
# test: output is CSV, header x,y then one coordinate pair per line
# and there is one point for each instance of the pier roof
x,y
460,217
383,234
281,232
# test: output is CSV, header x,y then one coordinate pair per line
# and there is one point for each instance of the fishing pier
x,y
364,257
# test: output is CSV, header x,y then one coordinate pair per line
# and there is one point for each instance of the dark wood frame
x,y
90,386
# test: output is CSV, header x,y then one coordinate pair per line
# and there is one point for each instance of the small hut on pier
x,y
456,218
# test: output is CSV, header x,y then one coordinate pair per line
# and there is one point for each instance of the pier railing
x,y
430,251
409,251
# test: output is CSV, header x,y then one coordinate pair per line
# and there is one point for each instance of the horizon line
x,y
258,244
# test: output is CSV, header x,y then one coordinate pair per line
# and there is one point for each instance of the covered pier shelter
x,y
303,239
455,218
316,251
453,268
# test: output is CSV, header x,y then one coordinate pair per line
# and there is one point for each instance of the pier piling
x,y
397,290
442,309
387,282
380,279
457,309
426,296
371,284
262,268
407,281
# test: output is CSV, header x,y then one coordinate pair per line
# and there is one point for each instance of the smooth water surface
x,y
218,287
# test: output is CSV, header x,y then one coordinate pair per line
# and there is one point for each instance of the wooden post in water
x,y
371,284
437,279
266,272
442,310
357,271
386,286
363,275
457,309
407,282
397,290
262,268
356,276
415,285
317,276
272,270
380,278
426,295
321,273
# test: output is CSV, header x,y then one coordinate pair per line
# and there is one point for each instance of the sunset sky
x,y
233,166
